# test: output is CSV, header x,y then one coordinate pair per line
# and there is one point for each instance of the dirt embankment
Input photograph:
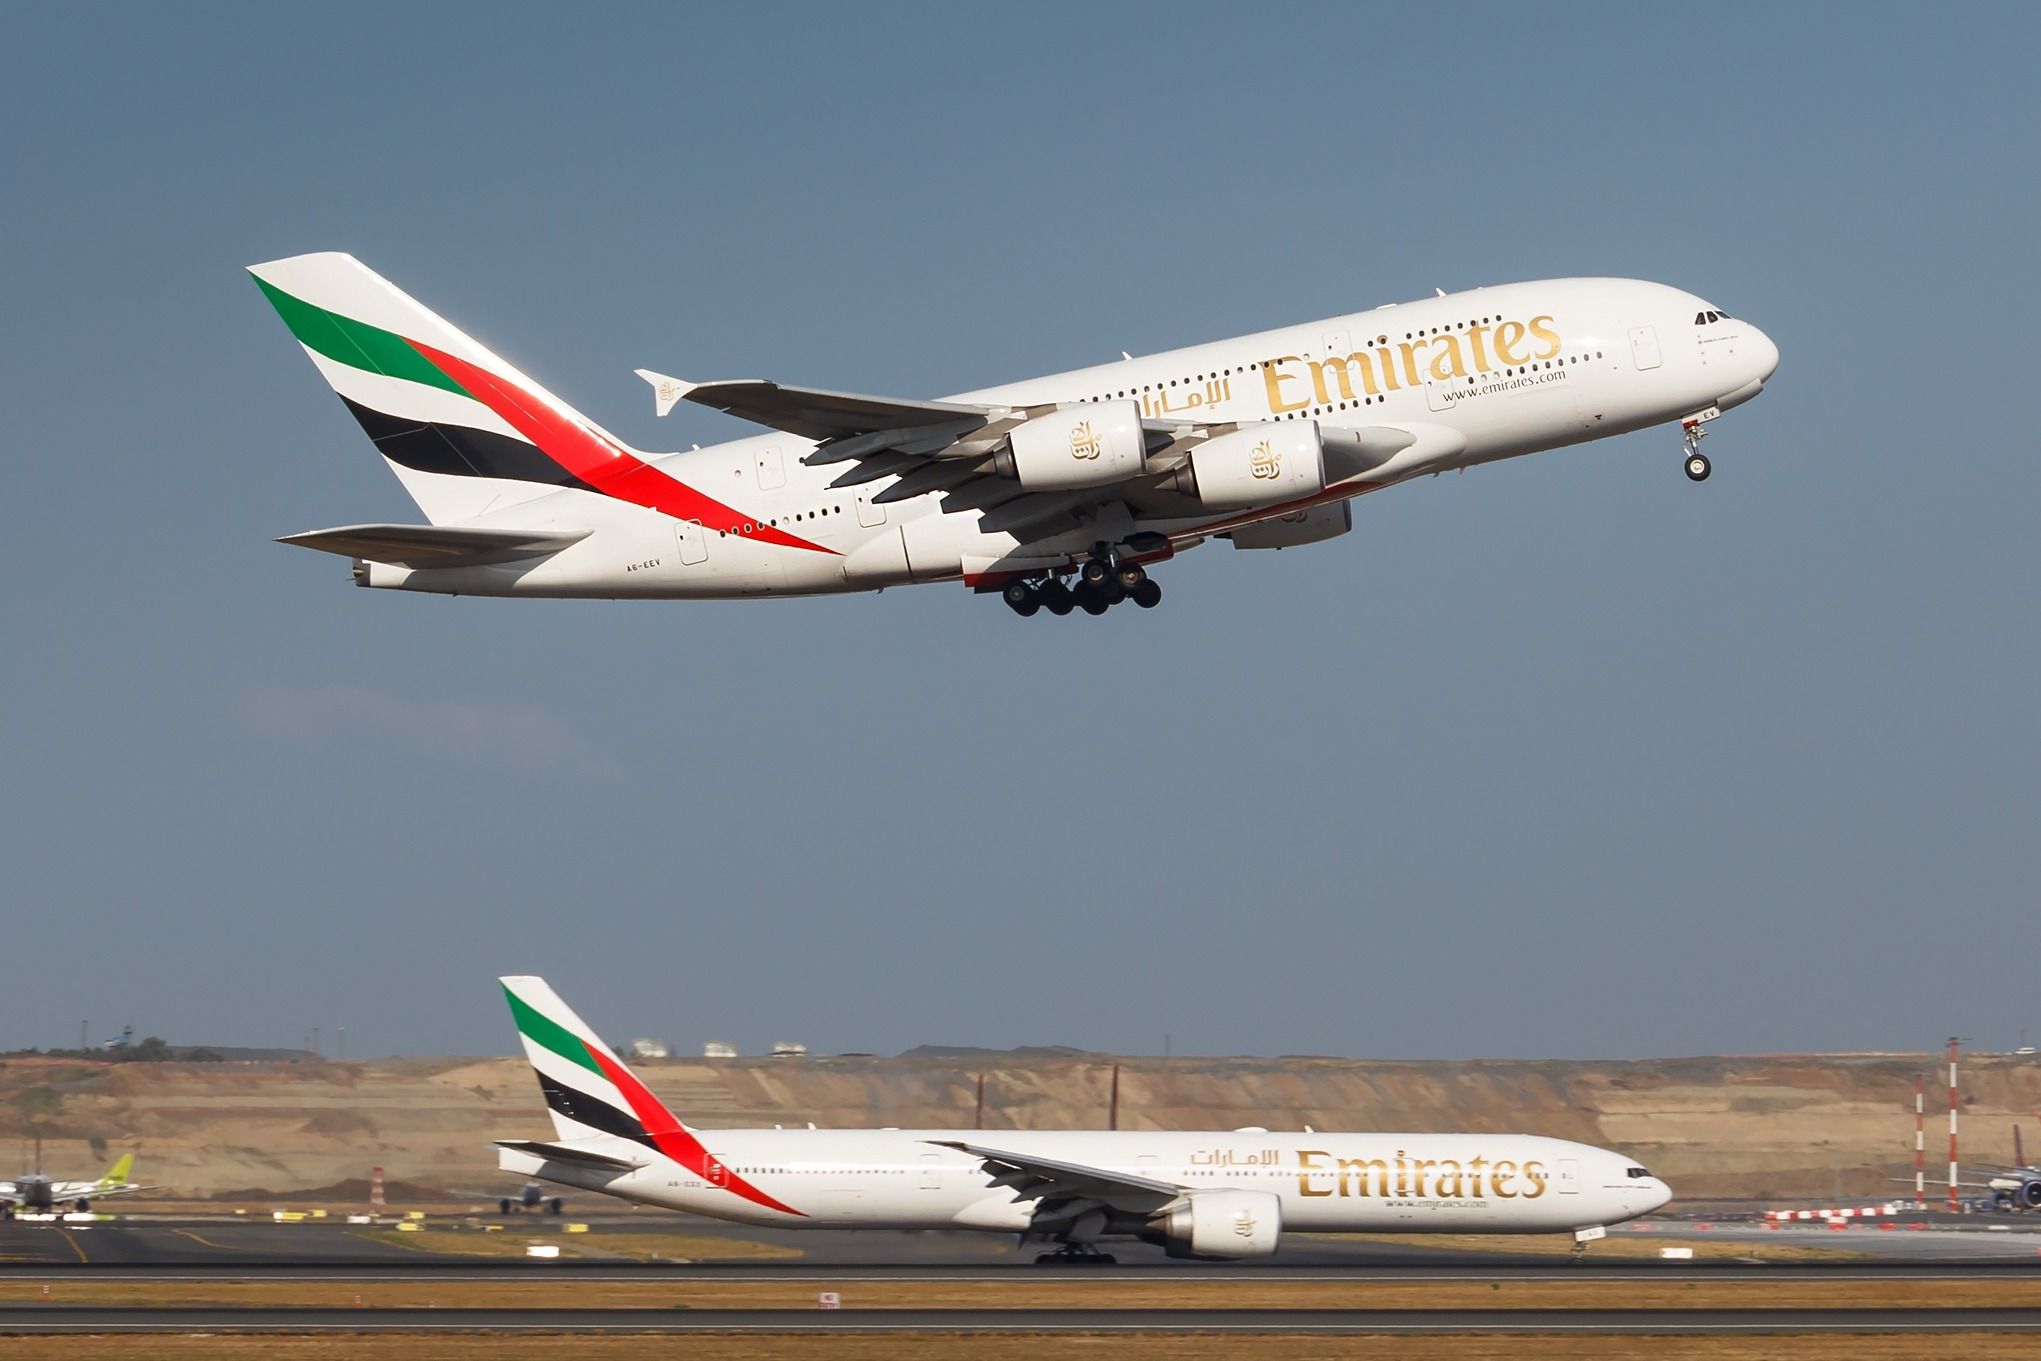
x,y
1771,1126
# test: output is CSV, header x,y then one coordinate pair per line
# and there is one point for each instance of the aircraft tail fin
x,y
463,430
588,1089
117,1175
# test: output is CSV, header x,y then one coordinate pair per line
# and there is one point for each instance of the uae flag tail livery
x,y
462,429
605,1117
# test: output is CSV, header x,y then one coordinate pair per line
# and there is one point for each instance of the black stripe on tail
x,y
459,450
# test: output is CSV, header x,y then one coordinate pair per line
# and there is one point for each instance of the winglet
x,y
665,391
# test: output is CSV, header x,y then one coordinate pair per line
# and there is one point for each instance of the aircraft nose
x,y
1764,354
1659,1196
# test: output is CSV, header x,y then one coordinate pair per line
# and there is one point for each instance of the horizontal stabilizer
x,y
567,1153
435,545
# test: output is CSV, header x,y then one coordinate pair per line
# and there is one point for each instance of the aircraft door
x,y
1644,347
772,474
717,1174
871,515
694,542
931,1172
1568,1176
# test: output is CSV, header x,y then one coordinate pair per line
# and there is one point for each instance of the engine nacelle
x,y
1298,527
1227,1224
1078,446
2028,1197
1256,465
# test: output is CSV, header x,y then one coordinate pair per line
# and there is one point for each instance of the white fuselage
x,y
1325,1182
1477,376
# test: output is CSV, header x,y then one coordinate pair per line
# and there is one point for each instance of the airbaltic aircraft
x,y
33,1192
1216,1194
1057,492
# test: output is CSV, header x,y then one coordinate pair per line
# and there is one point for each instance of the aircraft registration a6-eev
x,y
1058,492
1223,1194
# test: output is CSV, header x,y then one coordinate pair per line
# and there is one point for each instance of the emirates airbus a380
x,y
1059,492
1221,1194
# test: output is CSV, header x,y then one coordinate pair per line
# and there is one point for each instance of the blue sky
x,y
1561,757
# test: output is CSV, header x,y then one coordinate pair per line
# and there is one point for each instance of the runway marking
x,y
207,1242
74,1244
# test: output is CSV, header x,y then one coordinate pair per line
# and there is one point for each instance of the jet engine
x,y
1256,465
1309,525
1072,447
1220,1224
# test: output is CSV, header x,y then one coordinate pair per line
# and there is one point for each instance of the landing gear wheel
x,y
1113,592
1056,596
1147,595
1130,576
1076,1257
1092,601
1698,467
1021,598
1095,571
504,1205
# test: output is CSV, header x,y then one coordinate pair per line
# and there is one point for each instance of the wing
x,y
435,545
954,449
1066,1190
814,413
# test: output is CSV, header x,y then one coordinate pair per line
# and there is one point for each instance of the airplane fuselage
x,y
1472,377
1325,1182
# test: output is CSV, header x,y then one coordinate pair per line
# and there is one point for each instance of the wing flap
x,y
435,545
1051,1179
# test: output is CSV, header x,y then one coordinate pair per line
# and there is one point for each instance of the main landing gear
x,y
1072,1254
1102,582
1693,430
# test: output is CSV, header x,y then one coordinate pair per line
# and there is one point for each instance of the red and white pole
x,y
1920,1141
1954,1205
375,1188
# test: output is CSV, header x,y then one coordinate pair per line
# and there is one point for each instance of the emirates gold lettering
x,y
1272,375
1390,367
1307,1163
1320,1173
1083,443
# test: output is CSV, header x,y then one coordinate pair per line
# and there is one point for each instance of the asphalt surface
x,y
222,1247
62,1319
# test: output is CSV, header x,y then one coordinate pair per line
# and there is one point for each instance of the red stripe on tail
x,y
674,1141
613,471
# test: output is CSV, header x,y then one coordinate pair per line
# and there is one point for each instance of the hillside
x,y
1714,1127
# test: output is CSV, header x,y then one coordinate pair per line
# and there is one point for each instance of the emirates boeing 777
x,y
1059,492
1217,1194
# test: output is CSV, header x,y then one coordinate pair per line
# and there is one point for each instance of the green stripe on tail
x,y
355,343
550,1034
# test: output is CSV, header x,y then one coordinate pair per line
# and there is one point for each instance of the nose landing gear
x,y
1693,430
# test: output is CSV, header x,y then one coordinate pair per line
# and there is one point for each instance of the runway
x,y
824,1275
327,1249
60,1319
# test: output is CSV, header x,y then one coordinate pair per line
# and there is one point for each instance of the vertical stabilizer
x,y
457,424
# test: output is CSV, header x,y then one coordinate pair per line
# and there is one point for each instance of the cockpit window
x,y
1637,1173
1709,316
